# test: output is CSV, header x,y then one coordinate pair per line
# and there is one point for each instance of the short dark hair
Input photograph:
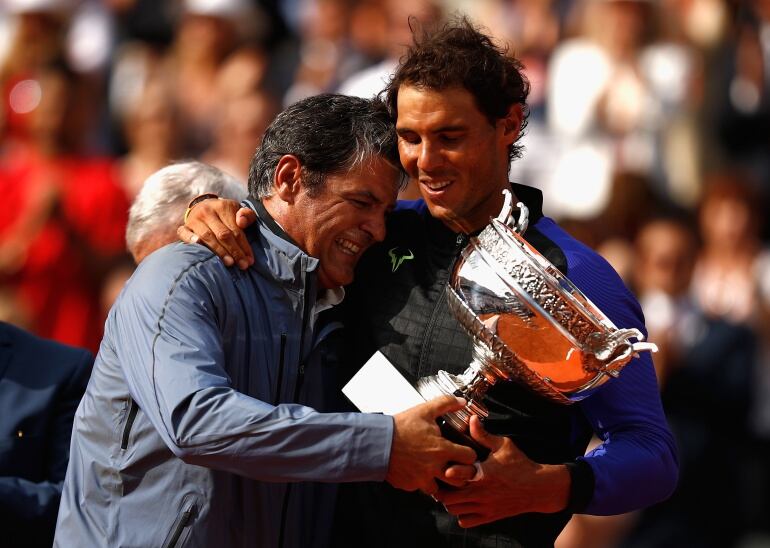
x,y
460,55
330,134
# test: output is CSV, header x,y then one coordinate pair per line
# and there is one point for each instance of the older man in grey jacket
x,y
198,426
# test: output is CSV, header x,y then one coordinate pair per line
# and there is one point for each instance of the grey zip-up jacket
x,y
187,434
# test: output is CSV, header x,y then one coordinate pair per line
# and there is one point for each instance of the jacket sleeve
x,y
31,506
171,352
636,463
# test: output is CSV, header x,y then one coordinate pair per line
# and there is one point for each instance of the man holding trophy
x,y
458,103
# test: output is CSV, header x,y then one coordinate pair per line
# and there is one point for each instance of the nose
x,y
375,226
428,156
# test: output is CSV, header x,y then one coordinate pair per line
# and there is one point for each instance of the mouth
x,y
348,247
435,185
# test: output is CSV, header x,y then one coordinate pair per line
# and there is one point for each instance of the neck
x,y
479,219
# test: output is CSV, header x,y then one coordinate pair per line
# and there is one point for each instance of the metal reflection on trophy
x,y
528,322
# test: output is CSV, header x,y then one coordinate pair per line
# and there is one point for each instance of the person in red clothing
x,y
66,225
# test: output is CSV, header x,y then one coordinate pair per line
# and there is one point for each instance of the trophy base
x,y
454,426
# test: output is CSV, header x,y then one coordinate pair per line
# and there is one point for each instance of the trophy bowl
x,y
529,324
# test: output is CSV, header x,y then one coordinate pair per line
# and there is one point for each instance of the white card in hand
x,y
378,387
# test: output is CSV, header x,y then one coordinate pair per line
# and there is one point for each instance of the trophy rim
x,y
521,292
568,308
554,278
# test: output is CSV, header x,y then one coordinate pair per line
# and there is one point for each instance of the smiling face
x,y
458,157
339,221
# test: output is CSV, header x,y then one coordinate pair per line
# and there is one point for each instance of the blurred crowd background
x,y
649,134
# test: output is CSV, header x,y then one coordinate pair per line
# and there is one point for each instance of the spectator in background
x,y
741,109
207,33
154,215
41,383
614,95
144,108
65,228
326,55
706,367
734,262
244,109
732,282
37,38
399,16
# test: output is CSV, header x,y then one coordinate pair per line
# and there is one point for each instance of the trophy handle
x,y
506,214
615,350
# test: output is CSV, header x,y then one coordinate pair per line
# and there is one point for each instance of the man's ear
x,y
512,123
287,178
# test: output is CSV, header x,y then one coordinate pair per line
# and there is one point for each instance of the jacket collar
x,y
532,198
259,208
277,252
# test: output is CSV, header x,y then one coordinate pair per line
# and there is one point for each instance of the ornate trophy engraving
x,y
529,323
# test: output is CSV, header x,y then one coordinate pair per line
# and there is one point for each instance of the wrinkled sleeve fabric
x,y
172,356
636,463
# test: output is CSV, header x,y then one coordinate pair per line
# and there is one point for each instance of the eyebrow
x,y
450,128
365,194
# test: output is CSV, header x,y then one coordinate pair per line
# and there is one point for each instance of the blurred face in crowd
x,y
337,222
726,221
204,35
622,24
458,157
666,255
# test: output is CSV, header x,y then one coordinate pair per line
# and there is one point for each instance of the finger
x,y
236,242
459,473
486,439
459,454
245,217
457,483
207,235
186,235
443,405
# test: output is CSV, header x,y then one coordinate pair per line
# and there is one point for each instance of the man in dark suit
x,y
41,383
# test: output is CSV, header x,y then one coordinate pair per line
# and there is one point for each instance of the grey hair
x,y
160,204
330,134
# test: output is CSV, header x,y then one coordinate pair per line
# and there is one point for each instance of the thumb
x,y
493,443
443,405
244,217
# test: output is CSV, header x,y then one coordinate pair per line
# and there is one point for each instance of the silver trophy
x,y
529,323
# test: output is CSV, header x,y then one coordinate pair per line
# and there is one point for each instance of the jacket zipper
x,y
300,378
281,357
132,411
301,365
460,243
182,521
